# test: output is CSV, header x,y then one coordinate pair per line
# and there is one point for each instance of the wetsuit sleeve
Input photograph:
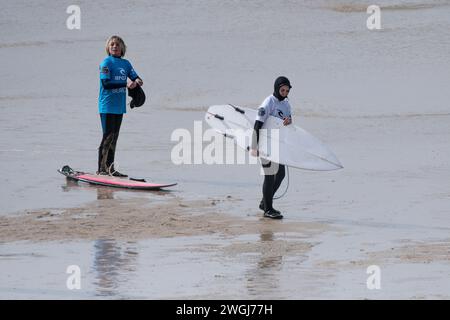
x,y
261,116
106,83
263,110
255,136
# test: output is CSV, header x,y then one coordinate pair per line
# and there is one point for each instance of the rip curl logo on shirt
x,y
123,75
280,113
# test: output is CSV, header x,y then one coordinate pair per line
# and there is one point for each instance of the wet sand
x,y
179,249
137,219
130,249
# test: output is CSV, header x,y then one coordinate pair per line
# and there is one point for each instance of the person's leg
x,y
279,178
103,150
269,181
277,172
116,123
266,184
111,154
270,173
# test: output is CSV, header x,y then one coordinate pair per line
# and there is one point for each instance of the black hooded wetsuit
x,y
274,173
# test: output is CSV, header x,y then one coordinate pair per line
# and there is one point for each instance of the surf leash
x,y
287,186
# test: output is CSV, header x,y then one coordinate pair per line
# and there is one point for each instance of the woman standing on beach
x,y
276,105
114,74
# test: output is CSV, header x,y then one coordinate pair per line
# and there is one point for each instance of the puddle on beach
x,y
250,266
258,266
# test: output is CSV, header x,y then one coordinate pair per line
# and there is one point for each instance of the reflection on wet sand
x,y
263,280
113,264
274,254
104,193
69,185
268,261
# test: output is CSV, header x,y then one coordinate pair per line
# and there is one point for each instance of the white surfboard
x,y
289,145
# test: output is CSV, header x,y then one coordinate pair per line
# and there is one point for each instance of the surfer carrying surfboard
x,y
114,74
276,105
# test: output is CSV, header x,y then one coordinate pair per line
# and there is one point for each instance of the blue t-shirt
x,y
116,70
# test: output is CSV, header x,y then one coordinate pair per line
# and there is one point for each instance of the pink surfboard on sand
x,y
110,181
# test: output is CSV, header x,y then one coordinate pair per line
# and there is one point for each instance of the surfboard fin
x,y
237,108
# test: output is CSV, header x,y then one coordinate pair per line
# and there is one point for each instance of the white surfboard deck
x,y
289,145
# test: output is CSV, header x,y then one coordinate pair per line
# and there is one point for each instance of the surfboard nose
x,y
314,163
335,161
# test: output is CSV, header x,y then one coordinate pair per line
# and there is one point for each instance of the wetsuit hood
x,y
137,97
279,82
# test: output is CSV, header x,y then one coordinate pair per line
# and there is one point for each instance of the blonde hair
x,y
123,47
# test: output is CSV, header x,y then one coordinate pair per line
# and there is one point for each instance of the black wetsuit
x,y
111,127
274,173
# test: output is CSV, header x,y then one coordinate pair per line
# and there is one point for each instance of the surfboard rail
x,y
110,181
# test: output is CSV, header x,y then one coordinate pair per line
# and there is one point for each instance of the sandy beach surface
x,y
378,98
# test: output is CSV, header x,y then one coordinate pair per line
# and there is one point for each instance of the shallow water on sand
x,y
265,266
